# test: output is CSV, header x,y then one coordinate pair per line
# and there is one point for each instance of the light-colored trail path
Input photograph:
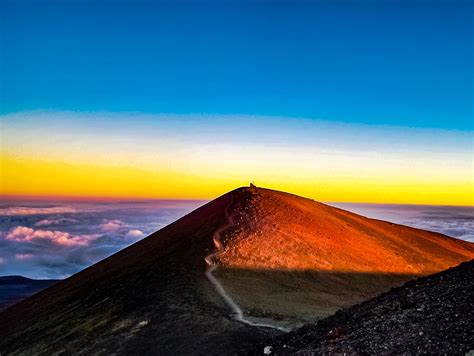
x,y
210,259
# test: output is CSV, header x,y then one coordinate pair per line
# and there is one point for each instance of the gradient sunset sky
x,y
358,101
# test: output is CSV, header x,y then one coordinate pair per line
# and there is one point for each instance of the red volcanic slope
x,y
290,259
284,231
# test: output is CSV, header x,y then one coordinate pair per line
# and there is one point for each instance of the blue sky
x,y
405,63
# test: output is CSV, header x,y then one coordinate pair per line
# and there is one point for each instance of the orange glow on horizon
x,y
127,156
43,179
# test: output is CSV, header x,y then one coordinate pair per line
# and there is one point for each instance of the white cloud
x,y
467,237
135,233
26,234
111,225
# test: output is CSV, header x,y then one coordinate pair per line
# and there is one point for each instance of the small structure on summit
x,y
252,185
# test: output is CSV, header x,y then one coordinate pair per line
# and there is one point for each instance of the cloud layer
x,y
55,240
454,221
49,222
23,210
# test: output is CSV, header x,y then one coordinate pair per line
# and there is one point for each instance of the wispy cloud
x,y
49,222
19,210
23,256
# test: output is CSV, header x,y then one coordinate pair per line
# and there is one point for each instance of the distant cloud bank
x,y
21,210
49,222
454,221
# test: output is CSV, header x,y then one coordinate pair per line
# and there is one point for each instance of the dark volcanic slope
x,y
153,297
429,315
15,288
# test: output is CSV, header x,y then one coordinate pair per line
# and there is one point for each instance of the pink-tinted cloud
x,y
21,210
135,234
23,256
26,234
61,247
111,225
48,222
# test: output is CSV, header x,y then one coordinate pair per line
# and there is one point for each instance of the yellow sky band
x,y
41,177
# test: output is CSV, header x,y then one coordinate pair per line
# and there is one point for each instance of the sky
x,y
356,101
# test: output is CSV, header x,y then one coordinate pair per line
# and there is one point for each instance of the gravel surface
x,y
429,315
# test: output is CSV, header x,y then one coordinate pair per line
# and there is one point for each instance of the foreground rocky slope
x,y
429,315
287,259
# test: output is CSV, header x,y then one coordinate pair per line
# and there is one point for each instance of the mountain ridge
x,y
15,288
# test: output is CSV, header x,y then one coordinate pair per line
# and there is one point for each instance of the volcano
x,y
251,264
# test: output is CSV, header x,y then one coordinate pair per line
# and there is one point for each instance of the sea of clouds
x,y
454,221
58,239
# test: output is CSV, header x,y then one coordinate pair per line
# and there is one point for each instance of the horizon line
x,y
83,198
